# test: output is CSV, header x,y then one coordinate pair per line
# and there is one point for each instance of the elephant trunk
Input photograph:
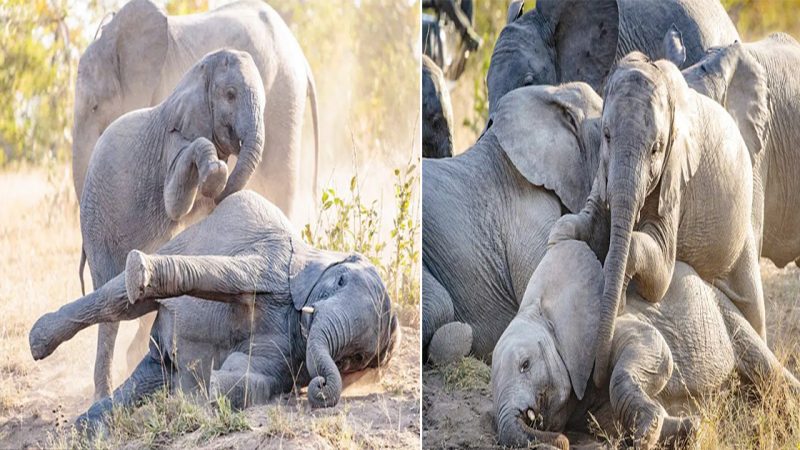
x,y
513,432
325,340
623,203
249,156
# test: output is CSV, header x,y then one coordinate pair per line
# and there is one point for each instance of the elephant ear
x,y
683,154
515,10
306,267
585,35
674,50
569,283
747,98
541,129
139,32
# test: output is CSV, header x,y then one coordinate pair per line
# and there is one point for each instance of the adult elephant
x,y
283,313
142,53
758,84
437,112
487,213
665,356
148,166
578,40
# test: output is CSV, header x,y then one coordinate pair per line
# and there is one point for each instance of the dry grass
x,y
467,374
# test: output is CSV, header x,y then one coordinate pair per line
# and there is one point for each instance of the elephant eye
x,y
341,281
94,108
528,80
231,95
607,134
525,366
359,358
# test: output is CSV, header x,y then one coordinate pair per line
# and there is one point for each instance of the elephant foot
x,y
678,432
450,343
43,338
213,179
137,275
647,428
91,424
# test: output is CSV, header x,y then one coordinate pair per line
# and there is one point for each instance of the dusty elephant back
x,y
703,24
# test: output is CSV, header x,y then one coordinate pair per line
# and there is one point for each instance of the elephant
x,y
487,213
758,85
676,178
147,167
576,40
142,54
243,306
664,355
437,112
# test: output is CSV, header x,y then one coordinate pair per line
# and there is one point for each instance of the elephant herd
x,y
242,304
599,244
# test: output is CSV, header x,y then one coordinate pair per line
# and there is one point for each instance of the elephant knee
x,y
450,343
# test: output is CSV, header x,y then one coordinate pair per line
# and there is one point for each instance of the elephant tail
x,y
80,271
312,95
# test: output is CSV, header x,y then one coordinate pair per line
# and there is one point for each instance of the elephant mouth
x,y
531,419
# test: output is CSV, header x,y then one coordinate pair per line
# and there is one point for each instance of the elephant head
x,y
545,354
222,99
647,122
346,315
732,77
552,137
116,74
559,41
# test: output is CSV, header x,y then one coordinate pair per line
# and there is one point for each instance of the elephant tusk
x,y
308,309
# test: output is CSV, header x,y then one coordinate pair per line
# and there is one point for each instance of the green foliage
x,y
755,19
38,60
346,223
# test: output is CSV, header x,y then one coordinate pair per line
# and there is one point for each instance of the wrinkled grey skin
x,y
437,112
578,40
142,54
758,84
664,355
148,166
676,178
281,311
486,213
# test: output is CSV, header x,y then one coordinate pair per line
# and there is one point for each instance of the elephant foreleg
x,y
230,279
107,304
443,340
743,286
240,381
642,365
196,164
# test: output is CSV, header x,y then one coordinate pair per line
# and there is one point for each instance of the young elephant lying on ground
x,y
662,355
278,303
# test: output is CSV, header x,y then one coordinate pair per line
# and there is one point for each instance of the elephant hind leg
x,y
141,341
150,375
743,287
437,307
754,360
450,343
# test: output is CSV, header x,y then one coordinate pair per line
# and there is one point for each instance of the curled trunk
x,y
325,387
249,156
513,432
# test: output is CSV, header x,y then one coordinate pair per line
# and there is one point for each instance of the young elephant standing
x,y
148,165
678,181
664,356
284,313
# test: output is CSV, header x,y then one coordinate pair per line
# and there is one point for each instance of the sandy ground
x,y
39,254
453,416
